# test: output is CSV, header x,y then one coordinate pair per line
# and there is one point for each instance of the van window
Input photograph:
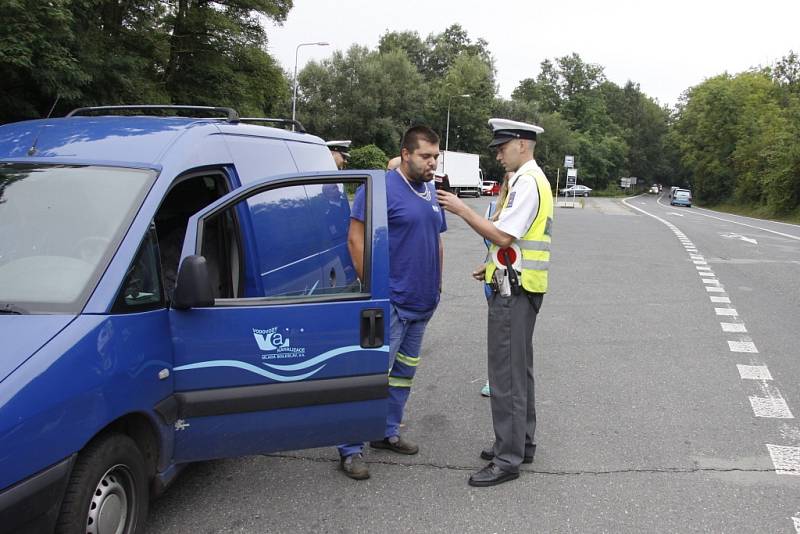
x,y
294,241
59,227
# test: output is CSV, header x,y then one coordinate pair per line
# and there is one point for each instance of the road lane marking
x,y
675,214
741,237
770,404
790,236
742,346
796,521
754,372
785,459
772,407
733,327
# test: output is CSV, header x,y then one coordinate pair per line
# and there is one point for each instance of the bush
x,y
367,157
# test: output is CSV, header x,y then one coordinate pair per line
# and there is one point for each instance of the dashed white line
x,y
720,300
771,408
742,346
702,268
796,521
785,459
726,311
754,372
706,273
715,289
711,281
733,327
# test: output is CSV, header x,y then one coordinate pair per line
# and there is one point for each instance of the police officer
x,y
339,151
517,271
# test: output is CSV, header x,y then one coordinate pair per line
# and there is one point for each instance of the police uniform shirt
x,y
523,202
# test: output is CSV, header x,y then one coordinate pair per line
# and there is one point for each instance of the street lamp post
x,y
294,94
447,129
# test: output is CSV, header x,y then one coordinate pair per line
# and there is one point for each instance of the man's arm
x,y
483,226
355,245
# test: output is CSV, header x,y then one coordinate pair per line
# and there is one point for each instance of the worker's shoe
x,y
488,454
491,475
395,444
354,467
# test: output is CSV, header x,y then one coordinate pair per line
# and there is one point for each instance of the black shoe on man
x,y
354,467
488,454
395,444
491,475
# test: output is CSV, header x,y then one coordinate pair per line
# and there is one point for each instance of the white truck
x,y
463,172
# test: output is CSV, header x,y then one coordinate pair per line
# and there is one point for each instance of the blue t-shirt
x,y
414,227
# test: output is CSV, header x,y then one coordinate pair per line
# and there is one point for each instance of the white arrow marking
x,y
738,236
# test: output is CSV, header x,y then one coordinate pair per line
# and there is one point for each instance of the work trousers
x,y
406,329
510,358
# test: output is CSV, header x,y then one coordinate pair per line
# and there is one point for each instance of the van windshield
x,y
59,228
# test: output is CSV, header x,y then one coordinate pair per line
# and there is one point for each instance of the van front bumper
x,y
32,505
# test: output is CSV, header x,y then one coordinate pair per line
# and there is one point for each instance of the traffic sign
x,y
569,161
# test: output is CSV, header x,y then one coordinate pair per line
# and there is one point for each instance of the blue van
x,y
175,289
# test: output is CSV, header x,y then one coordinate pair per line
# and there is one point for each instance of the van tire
x,y
108,485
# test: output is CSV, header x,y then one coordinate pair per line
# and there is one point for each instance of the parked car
x,y
576,190
172,290
490,188
681,197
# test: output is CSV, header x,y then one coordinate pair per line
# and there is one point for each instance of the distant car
x,y
681,197
490,188
577,190
672,190
654,190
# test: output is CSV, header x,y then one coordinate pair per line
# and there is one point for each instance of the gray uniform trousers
x,y
510,345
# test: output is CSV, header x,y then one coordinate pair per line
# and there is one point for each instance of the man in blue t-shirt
x,y
415,278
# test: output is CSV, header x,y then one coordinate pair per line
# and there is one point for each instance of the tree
x,y
37,64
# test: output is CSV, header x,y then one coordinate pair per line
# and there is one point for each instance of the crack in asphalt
x,y
450,467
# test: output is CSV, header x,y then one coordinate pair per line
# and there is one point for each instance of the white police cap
x,y
340,146
505,130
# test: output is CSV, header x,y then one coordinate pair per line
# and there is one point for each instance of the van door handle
x,y
372,328
333,277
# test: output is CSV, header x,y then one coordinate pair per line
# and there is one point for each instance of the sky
x,y
665,47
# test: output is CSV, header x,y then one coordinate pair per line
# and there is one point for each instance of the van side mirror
x,y
193,287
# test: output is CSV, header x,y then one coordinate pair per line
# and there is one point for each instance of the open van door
x,y
277,344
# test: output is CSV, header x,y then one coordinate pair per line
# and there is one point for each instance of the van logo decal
x,y
271,339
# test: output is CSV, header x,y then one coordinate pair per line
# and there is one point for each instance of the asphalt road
x,y
651,418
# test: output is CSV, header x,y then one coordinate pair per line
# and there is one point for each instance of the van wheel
x,y
107,492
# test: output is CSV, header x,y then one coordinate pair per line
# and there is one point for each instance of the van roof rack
x,y
297,126
231,114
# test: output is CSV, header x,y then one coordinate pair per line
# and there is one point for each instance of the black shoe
x,y
395,444
354,467
488,454
491,475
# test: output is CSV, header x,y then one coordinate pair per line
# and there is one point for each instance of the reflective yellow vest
x,y
535,244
